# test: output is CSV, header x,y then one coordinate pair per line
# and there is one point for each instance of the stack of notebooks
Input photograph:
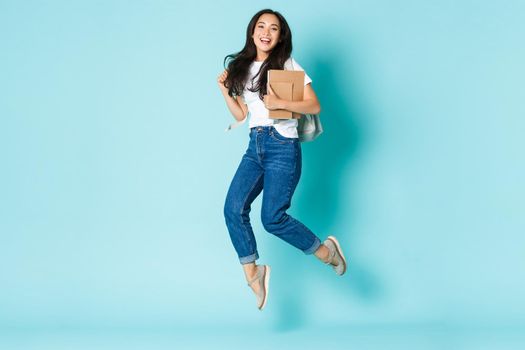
x,y
287,85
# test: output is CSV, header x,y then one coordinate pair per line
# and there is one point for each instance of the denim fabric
x,y
272,162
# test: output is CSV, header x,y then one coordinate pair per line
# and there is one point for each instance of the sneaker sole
x,y
340,251
266,286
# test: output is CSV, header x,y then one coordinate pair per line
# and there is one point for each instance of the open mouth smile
x,y
266,41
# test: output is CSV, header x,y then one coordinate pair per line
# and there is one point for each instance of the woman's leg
x,y
282,165
246,185
322,253
282,174
282,171
250,270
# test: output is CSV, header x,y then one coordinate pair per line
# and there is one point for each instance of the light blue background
x,y
115,165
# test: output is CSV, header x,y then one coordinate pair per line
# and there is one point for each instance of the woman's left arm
x,y
309,105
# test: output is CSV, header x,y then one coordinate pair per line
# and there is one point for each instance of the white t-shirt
x,y
259,113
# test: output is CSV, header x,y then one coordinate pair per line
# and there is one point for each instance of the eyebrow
x,y
273,24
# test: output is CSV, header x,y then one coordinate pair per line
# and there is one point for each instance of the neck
x,y
261,56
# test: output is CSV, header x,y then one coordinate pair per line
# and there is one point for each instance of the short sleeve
x,y
293,65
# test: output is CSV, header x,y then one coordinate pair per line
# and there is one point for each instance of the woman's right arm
x,y
237,108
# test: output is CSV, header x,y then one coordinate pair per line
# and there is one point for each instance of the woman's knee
x,y
272,221
232,210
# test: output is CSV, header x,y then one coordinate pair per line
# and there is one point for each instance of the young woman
x,y
273,159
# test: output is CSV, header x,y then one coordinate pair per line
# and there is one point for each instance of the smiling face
x,y
266,34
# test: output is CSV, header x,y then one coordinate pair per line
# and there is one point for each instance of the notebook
x,y
287,85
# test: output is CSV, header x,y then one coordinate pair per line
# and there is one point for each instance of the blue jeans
x,y
272,162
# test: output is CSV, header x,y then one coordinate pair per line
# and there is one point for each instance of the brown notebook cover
x,y
287,85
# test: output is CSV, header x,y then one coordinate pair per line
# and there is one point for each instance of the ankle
x,y
250,270
323,254
327,260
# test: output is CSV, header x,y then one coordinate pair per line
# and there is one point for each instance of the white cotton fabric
x,y
258,113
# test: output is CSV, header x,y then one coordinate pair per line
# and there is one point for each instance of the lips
x,y
266,41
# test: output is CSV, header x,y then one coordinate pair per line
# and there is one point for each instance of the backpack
x,y
309,127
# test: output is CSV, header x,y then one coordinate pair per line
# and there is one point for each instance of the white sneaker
x,y
335,256
262,276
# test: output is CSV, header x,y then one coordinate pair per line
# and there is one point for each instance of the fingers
x,y
266,101
222,77
269,102
269,89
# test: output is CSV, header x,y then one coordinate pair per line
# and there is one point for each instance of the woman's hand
x,y
235,104
271,101
221,79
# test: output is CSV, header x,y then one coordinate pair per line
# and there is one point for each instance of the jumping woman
x,y
273,158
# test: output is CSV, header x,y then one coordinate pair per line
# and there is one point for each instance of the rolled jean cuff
x,y
249,259
314,247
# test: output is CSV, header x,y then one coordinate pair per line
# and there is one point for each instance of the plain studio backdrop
x,y
115,166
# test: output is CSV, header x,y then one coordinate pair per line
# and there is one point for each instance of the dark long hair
x,y
239,63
